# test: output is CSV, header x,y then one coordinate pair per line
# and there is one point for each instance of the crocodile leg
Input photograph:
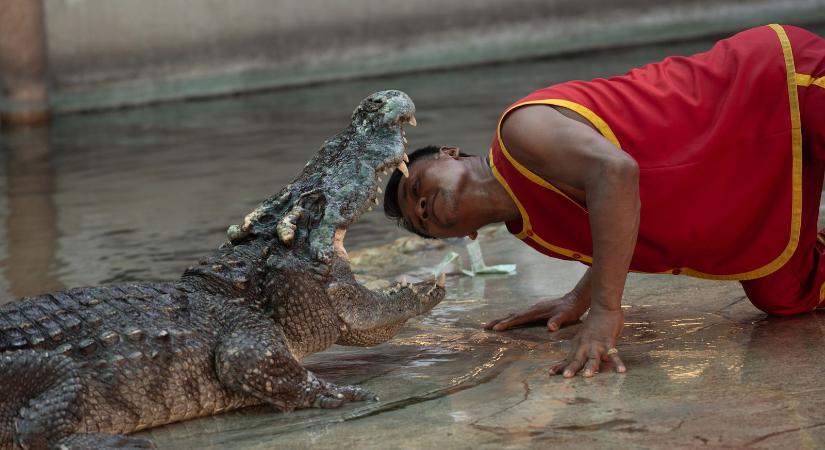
x,y
254,359
43,408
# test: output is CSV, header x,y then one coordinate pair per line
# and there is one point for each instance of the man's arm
x,y
572,155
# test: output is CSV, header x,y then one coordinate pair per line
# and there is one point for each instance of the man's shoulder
x,y
528,123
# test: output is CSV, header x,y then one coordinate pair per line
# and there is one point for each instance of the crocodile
x,y
83,368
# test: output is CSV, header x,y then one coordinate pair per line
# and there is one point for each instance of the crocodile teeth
x,y
405,158
375,200
384,171
403,138
404,282
287,226
380,179
380,191
441,281
403,168
369,209
412,121
338,243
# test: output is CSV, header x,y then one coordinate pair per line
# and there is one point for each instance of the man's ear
x,y
473,236
452,152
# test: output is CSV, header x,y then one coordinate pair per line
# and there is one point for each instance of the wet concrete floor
x,y
706,369
140,194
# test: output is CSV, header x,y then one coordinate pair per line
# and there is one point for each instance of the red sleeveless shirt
x,y
717,140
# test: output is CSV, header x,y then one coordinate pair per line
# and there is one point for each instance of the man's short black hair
x,y
391,207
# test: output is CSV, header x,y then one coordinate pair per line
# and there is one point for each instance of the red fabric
x,y
797,286
712,136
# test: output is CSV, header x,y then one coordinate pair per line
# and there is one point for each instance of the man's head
x,y
428,202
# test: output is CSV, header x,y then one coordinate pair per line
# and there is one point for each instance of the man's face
x,y
430,197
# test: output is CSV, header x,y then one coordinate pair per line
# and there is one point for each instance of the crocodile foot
x,y
334,396
104,442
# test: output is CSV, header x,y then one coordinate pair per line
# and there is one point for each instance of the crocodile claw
x,y
336,396
328,402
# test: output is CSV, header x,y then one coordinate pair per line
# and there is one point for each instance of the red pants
x,y
799,285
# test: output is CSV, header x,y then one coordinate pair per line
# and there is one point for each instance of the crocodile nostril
x,y
377,100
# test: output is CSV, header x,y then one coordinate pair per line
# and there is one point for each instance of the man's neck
x,y
493,202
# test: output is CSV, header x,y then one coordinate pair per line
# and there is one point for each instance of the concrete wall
x,y
106,40
95,45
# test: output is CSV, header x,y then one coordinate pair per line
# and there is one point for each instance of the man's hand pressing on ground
x,y
595,342
558,312
592,344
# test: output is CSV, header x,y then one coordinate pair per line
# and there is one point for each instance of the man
x,y
708,166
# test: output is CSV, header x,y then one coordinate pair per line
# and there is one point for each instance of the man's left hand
x,y
594,343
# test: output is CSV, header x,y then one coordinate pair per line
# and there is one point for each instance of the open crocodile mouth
x,y
399,162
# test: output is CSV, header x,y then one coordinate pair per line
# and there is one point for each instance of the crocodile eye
x,y
373,104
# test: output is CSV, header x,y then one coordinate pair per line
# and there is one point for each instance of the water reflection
x,y
31,224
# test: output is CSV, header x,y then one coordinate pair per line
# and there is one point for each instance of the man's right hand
x,y
558,312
